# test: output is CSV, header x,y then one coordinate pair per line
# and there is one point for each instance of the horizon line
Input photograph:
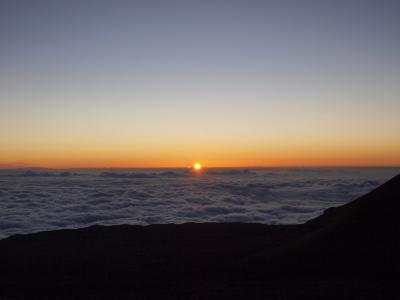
x,y
205,167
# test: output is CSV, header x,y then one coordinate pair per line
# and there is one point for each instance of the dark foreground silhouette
x,y
350,252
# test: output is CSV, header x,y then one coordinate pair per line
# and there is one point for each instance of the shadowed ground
x,y
350,252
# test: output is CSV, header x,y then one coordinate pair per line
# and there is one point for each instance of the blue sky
x,y
154,83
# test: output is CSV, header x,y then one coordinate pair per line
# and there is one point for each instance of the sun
x,y
197,166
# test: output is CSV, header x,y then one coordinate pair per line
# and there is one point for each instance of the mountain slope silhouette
x,y
358,240
349,252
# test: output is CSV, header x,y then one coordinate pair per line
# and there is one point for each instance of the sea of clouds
x,y
36,200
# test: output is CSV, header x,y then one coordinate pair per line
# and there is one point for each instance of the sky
x,y
227,83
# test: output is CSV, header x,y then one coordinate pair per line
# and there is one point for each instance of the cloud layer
x,y
35,200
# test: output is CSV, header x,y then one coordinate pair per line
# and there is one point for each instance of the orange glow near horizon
x,y
118,153
168,158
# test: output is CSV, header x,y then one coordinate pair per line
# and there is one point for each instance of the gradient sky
x,y
228,83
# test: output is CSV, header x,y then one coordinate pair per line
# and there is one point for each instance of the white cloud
x,y
35,200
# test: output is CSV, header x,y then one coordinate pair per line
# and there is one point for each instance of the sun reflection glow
x,y
197,166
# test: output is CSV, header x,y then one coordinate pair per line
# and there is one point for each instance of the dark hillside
x,y
350,252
